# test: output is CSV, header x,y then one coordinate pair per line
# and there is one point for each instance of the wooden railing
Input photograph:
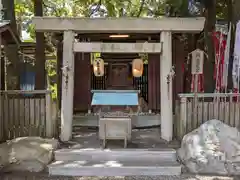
x,y
26,113
195,109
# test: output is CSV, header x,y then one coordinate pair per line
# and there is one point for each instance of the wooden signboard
x,y
197,61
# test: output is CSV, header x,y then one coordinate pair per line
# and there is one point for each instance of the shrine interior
x,y
118,72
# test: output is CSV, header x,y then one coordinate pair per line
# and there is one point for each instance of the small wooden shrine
x,y
119,40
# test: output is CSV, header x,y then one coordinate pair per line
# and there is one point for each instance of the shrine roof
x,y
8,34
119,25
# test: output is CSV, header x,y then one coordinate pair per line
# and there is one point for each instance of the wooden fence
x,y
26,113
195,109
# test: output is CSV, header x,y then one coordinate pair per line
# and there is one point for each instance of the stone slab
x,y
114,168
116,154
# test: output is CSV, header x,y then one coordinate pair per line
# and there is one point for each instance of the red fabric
x,y
219,52
200,87
183,68
235,98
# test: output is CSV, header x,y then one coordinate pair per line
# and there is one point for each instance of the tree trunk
x,y
9,13
236,10
11,49
209,64
40,79
232,24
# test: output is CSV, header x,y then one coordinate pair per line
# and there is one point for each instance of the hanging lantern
x,y
98,67
137,67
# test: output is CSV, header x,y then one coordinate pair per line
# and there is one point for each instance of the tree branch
x,y
96,9
141,8
155,13
50,7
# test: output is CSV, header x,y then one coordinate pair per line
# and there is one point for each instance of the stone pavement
x,y
141,138
42,176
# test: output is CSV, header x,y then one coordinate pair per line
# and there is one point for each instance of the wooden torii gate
x,y
164,26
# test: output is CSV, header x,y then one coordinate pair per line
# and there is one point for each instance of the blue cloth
x,y
117,98
27,81
192,7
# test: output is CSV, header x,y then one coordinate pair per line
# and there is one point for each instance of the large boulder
x,y
214,147
27,154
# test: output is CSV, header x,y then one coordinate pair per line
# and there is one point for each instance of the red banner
x,y
220,45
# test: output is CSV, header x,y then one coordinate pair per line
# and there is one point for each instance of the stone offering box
x,y
115,109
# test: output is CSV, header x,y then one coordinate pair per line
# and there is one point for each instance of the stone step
x,y
114,168
115,154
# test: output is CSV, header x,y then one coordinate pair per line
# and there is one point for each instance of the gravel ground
x,y
19,176
144,138
141,138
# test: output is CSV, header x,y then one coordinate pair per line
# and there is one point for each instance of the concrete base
x,y
113,168
138,121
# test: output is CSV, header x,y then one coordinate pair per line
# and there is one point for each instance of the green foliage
x,y
221,9
104,8
52,76
109,8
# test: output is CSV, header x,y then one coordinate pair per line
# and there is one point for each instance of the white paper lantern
x,y
137,67
98,67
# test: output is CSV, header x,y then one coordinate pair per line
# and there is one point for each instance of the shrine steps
x,y
105,168
129,162
115,154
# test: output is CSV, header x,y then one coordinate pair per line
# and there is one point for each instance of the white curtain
x,y
235,70
226,59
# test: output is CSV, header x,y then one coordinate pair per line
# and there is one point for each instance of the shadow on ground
x,y
44,176
141,138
